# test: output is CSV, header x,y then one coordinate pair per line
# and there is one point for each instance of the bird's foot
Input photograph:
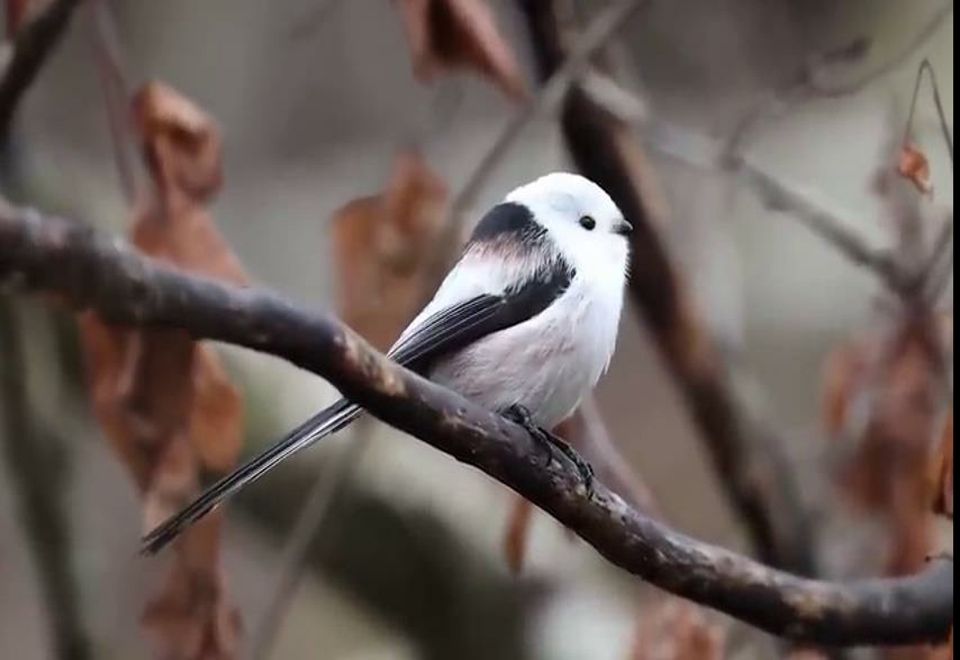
x,y
549,441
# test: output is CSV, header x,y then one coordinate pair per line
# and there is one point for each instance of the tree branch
x,y
550,95
747,453
314,512
31,47
35,455
85,269
779,197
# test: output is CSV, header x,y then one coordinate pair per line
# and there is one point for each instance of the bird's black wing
x,y
442,333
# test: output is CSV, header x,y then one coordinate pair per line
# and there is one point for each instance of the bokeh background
x,y
315,98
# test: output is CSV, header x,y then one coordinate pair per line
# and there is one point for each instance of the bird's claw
x,y
549,441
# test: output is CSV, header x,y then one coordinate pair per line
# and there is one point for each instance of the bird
x,y
525,324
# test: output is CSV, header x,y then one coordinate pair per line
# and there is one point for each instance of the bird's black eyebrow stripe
x,y
508,218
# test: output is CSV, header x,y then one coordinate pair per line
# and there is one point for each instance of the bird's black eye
x,y
588,223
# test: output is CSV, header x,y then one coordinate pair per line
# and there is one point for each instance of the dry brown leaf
x,y
20,12
518,533
940,475
914,167
164,401
216,419
181,144
921,652
806,654
896,382
945,652
843,371
383,249
191,617
677,630
459,34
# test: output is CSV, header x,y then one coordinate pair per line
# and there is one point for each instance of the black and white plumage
x,y
525,321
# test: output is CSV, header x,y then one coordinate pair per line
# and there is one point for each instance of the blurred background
x,y
315,101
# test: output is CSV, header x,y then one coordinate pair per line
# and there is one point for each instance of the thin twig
x,y
806,86
308,23
310,520
933,277
546,101
779,197
925,66
32,46
612,467
407,566
811,88
939,265
115,84
37,471
87,269
703,152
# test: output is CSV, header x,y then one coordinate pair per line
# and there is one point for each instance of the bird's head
x,y
581,219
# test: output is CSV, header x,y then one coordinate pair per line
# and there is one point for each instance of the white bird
x,y
524,324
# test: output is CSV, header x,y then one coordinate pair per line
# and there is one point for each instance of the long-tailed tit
x,y
524,324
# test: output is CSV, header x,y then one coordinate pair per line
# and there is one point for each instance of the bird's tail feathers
x,y
327,421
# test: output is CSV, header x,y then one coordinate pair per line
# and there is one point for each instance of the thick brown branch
x,y
746,452
31,47
87,270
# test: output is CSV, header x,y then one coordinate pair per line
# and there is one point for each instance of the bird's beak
x,y
623,228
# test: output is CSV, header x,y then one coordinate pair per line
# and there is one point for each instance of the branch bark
x,y
85,269
31,47
746,452
36,459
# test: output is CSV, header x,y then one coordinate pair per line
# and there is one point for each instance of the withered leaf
x,y
191,617
216,419
844,367
516,539
383,250
520,519
165,401
946,651
14,14
886,390
914,167
941,471
181,144
677,630
459,34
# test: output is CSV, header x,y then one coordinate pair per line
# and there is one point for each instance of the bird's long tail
x,y
327,421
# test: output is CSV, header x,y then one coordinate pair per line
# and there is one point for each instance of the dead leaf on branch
x,y
806,654
15,15
188,619
520,519
446,35
944,652
884,393
383,249
914,167
677,630
19,13
940,475
180,143
517,536
164,401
